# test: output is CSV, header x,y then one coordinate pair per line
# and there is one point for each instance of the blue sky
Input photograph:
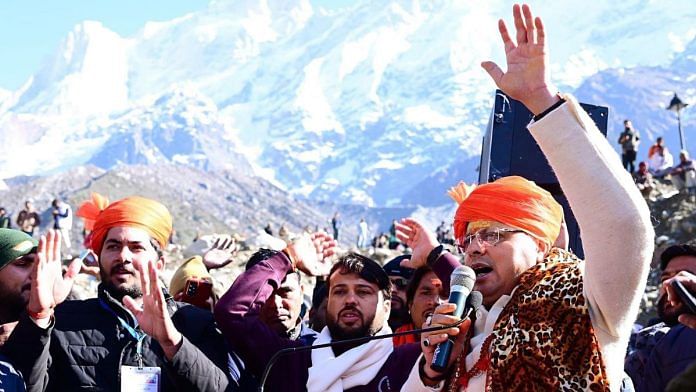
x,y
31,29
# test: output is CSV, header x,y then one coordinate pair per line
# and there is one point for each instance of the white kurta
x,y
618,238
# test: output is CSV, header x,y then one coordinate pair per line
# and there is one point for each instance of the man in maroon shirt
x,y
359,293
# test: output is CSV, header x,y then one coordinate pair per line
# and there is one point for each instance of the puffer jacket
x,y
670,357
86,345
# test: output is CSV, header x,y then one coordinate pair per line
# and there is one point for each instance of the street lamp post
x,y
676,105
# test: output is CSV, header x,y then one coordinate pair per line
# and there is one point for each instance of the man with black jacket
x,y
133,335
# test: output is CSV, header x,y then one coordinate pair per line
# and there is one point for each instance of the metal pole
x,y
681,133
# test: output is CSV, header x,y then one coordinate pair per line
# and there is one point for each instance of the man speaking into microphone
x,y
358,306
552,322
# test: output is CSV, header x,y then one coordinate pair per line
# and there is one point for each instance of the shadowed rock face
x,y
201,202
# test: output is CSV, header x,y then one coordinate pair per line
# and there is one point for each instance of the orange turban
x,y
90,209
512,201
134,211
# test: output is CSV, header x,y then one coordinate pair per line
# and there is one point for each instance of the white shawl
x,y
357,366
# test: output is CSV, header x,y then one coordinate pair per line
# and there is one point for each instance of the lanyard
x,y
137,335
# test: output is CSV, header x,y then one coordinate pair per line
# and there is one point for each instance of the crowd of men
x,y
549,321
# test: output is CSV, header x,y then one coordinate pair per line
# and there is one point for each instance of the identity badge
x,y
140,379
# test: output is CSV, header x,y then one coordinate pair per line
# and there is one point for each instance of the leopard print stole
x,y
543,339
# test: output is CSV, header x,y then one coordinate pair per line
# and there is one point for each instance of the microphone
x,y
474,302
461,283
364,339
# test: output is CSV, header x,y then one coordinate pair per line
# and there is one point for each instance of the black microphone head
x,y
463,276
475,300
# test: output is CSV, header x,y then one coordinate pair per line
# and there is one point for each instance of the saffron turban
x,y
135,211
512,201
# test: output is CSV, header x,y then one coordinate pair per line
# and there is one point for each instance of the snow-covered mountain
x,y
372,104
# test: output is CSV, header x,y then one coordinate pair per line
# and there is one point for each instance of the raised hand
x,y
49,287
689,281
311,253
418,238
152,315
220,254
527,77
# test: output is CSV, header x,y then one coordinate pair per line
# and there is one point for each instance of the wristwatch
x,y
434,255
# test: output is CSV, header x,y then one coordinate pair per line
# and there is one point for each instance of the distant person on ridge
x,y
335,225
5,221
62,221
28,219
362,234
629,140
684,174
660,160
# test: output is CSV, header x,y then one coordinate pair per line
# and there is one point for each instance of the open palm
x,y
526,78
49,286
153,316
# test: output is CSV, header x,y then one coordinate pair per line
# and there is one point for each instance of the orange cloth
x,y
89,209
654,149
134,211
512,201
405,339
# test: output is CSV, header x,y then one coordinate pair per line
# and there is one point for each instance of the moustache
x,y
397,299
121,268
350,309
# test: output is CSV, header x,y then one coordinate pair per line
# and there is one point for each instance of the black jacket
x,y
86,344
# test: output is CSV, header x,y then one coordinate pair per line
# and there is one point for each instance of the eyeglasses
x,y
399,283
487,238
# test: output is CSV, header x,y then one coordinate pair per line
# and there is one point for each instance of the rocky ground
x,y
674,218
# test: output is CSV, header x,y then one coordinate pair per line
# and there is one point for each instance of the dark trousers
x,y
629,160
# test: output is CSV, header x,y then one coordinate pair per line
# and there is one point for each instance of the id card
x,y
135,379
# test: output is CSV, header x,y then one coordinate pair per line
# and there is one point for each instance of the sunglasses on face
x,y
399,283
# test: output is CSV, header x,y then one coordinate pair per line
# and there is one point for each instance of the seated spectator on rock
x,y
644,180
399,277
423,294
134,324
358,306
660,160
665,349
683,175
282,310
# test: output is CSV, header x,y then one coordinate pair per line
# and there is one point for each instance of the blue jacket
x,y
670,357
10,379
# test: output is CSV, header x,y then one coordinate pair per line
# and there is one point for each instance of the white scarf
x,y
357,366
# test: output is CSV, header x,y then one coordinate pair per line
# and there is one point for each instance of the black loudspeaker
x,y
510,150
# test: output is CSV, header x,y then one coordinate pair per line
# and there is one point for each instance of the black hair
x,y
366,268
157,247
676,251
319,294
414,282
259,256
265,254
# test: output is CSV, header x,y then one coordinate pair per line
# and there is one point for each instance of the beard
x,y
13,303
340,333
398,317
11,307
667,313
118,292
